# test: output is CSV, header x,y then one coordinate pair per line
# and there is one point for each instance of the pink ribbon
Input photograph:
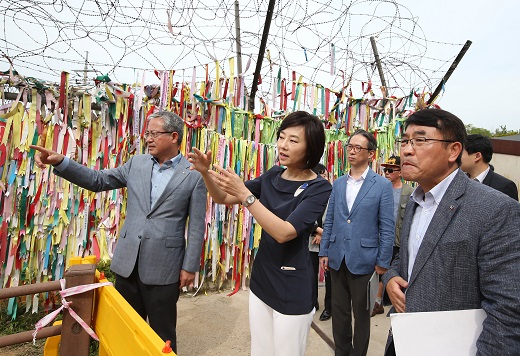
x,y
64,304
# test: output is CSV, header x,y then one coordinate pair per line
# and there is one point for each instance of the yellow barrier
x,y
120,329
52,344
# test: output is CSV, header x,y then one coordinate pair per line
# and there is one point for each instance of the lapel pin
x,y
452,207
300,189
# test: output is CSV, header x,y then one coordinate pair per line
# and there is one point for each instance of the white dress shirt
x,y
428,204
353,188
483,175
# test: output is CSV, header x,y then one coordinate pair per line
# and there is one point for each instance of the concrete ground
x,y
217,325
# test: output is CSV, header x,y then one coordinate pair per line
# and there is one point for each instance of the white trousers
x,y
276,334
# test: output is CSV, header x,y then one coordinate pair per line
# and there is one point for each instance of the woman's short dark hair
x,y
314,135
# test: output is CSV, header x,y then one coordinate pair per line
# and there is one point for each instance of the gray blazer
x,y
152,236
469,258
406,191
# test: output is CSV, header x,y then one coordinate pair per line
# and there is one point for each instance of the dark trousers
x,y
386,298
157,302
328,293
390,348
316,266
349,295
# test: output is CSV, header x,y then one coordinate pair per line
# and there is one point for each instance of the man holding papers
x,y
460,240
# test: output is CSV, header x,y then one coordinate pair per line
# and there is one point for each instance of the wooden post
x,y
74,339
237,40
263,43
449,72
379,67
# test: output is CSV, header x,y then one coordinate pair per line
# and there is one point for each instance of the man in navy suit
x,y
475,162
358,236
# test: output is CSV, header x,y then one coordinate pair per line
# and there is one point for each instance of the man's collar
x,y
363,175
480,177
174,160
436,192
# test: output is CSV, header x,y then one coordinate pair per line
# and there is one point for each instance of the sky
x,y
480,91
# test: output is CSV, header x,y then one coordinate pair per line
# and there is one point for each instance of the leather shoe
x,y
325,315
378,309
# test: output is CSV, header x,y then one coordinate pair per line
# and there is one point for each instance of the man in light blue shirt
x,y
460,241
159,246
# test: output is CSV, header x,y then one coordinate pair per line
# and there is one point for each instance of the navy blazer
x,y
363,237
501,183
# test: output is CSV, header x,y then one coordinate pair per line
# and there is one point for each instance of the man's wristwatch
x,y
249,200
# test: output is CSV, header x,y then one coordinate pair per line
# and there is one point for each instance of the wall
x,y
508,166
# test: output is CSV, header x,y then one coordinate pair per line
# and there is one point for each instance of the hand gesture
x,y
201,161
229,182
46,156
394,288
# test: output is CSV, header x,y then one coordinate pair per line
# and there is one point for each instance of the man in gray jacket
x,y
152,259
460,244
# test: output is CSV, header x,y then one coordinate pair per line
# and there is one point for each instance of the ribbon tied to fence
x,y
66,292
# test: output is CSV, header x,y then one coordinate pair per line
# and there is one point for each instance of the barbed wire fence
x,y
327,42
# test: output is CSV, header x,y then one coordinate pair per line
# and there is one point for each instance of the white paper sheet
x,y
373,287
437,333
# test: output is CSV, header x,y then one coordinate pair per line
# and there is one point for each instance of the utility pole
x,y
237,31
261,54
379,67
85,70
449,72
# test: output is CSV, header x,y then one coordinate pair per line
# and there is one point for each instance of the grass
x,y
23,322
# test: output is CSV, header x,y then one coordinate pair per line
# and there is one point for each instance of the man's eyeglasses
x,y
419,141
356,148
391,170
322,171
154,134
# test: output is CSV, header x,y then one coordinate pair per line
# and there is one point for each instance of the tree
x,y
470,129
503,131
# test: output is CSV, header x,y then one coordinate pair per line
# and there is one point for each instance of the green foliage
x,y
471,130
23,322
104,266
93,348
503,131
